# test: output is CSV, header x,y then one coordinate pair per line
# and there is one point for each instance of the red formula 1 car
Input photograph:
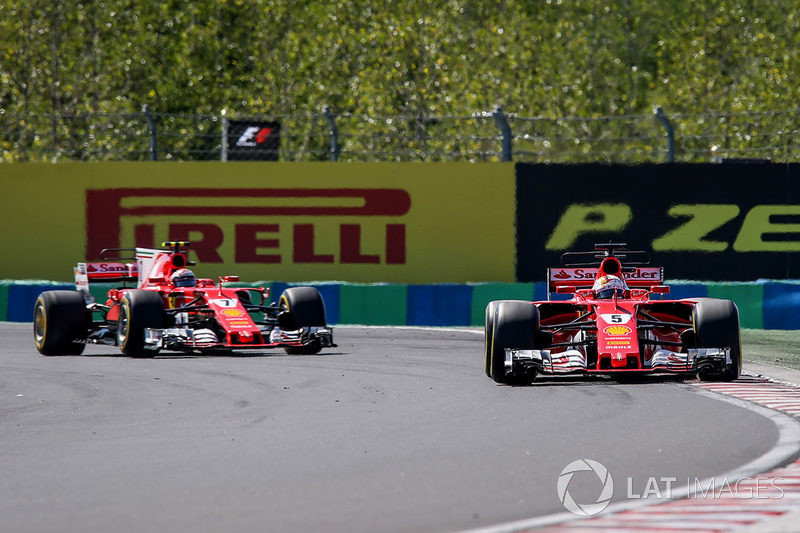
x,y
612,325
172,310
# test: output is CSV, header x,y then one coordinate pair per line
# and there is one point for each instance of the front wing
x,y
188,339
574,362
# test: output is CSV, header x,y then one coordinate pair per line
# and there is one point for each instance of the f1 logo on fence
x,y
253,136
267,226
253,140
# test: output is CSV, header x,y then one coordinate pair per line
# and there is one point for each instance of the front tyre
x,y
515,326
307,309
716,324
488,332
491,310
60,323
138,310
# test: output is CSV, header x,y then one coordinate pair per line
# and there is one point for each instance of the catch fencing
x,y
484,136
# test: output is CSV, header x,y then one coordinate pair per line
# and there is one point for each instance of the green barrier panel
x,y
484,293
100,291
373,305
749,298
3,302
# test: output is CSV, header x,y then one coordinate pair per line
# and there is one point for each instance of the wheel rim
x,y
122,328
39,324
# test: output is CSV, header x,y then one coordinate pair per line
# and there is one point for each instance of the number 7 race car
x,y
171,310
612,325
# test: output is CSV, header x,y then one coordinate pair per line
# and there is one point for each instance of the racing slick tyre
x,y
308,310
515,326
491,309
60,322
716,324
138,310
488,331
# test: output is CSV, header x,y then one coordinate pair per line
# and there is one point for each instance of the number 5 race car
x,y
171,310
612,324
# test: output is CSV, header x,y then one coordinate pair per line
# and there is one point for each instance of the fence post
x,y
153,133
224,155
334,133
670,134
501,120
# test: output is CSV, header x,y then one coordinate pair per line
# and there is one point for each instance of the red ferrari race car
x,y
611,324
169,309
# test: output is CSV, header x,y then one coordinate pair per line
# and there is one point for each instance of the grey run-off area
x,y
397,429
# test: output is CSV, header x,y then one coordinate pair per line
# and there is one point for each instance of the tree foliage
x,y
387,58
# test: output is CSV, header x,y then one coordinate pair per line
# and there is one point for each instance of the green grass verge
x,y
772,347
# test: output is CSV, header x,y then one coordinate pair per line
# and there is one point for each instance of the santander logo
x,y
106,267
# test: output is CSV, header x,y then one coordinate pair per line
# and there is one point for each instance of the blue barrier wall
x,y
781,303
762,305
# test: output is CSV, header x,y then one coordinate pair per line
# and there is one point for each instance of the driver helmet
x,y
606,286
183,278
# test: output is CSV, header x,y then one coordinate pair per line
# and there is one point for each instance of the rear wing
x,y
105,272
86,273
140,265
583,278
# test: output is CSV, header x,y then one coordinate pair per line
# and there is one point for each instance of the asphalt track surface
x,y
394,430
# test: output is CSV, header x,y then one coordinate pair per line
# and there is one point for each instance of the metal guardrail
x,y
483,136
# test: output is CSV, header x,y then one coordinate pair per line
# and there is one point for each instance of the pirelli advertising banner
x,y
352,222
718,222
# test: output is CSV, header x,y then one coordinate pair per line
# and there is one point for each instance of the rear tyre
x,y
138,310
716,324
515,326
60,322
307,309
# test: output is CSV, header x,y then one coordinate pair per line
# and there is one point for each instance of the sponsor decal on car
x,y
577,274
110,270
617,330
616,318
